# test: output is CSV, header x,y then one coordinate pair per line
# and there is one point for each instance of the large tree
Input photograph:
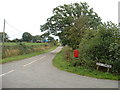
x,y
26,36
74,33
65,16
45,35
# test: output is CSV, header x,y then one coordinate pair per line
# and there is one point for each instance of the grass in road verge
x,y
62,64
15,58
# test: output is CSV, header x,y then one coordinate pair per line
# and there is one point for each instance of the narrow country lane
x,y
38,72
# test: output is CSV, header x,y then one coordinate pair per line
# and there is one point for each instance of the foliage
x,y
45,35
60,62
36,38
75,33
50,39
26,36
15,40
65,16
102,45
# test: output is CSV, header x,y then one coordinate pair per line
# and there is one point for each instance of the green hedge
x,y
102,45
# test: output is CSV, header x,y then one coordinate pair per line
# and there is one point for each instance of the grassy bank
x,y
16,49
60,62
15,58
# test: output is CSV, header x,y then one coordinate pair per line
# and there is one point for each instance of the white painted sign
x,y
104,65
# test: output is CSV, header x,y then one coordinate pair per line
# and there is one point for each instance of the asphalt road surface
x,y
38,72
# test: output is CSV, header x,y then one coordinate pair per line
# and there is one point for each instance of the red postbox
x,y
76,53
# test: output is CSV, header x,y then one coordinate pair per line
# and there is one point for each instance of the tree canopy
x,y
26,36
65,16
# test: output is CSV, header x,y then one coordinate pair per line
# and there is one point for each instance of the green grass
x,y
60,62
27,44
15,58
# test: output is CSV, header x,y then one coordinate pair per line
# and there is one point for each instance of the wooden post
x,y
3,38
108,69
97,67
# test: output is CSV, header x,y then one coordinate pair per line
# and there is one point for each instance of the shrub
x,y
102,45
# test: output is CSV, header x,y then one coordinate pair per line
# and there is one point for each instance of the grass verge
x,y
15,58
60,62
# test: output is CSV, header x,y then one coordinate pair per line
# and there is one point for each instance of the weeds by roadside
x,y
18,57
68,64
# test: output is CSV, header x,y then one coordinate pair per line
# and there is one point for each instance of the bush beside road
x,y
60,61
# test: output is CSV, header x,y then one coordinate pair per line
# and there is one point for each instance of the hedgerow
x,y
101,45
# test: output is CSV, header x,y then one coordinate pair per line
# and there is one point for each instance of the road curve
x,y
38,72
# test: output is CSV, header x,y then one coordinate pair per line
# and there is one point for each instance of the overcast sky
x,y
28,15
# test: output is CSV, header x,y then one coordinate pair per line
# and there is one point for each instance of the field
x,y
14,51
19,57
25,43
